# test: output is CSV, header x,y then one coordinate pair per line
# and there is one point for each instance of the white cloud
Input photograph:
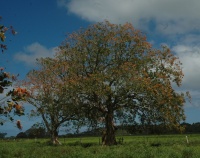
x,y
32,52
190,57
170,16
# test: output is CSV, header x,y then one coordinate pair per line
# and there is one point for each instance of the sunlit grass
x,y
163,146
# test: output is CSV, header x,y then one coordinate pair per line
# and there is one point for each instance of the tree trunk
x,y
52,128
54,138
108,137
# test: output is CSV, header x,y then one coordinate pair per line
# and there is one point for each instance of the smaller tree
x,y
37,130
51,96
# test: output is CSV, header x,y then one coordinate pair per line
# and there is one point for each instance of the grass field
x,y
163,146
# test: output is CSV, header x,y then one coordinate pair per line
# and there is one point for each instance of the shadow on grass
x,y
84,145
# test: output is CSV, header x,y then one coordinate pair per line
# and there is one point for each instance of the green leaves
x,y
5,83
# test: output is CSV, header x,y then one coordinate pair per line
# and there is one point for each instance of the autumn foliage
x,y
11,100
113,75
3,30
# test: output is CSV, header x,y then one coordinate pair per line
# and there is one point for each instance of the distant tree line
x,y
2,135
161,129
192,128
139,129
40,132
36,131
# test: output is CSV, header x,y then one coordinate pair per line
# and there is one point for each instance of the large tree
x,y
118,75
50,96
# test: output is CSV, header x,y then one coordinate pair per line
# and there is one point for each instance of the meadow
x,y
161,146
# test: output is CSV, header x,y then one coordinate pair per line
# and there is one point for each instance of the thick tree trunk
x,y
108,137
52,128
54,138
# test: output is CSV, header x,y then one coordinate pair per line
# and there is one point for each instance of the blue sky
x,y
42,25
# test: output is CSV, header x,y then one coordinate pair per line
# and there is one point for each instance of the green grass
x,y
164,146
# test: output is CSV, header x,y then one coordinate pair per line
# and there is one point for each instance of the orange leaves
x,y
18,107
21,92
156,86
8,108
19,110
128,66
19,125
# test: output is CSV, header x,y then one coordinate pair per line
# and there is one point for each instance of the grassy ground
x,y
166,146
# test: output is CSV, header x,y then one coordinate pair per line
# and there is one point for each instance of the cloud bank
x,y
169,16
190,58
